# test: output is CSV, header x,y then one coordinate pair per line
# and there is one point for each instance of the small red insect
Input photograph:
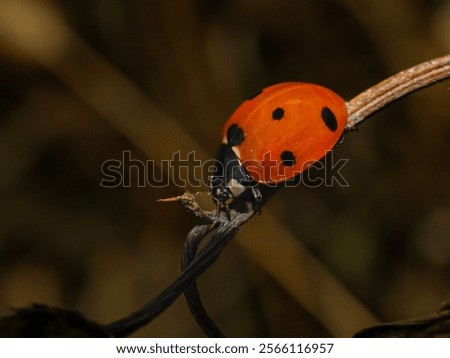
x,y
274,136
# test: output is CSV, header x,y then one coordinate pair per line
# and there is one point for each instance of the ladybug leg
x,y
222,197
346,130
351,129
340,141
226,208
258,197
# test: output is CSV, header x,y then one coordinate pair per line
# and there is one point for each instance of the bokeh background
x,y
83,81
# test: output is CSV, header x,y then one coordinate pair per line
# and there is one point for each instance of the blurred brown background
x,y
83,81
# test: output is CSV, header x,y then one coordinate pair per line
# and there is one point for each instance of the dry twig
x,y
432,326
395,87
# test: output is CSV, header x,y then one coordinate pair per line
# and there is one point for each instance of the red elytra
x,y
287,127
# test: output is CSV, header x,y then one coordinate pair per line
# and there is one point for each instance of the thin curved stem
x,y
192,294
138,319
204,259
395,87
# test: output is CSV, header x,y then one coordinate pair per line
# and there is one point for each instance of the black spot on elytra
x,y
277,113
329,119
287,158
235,135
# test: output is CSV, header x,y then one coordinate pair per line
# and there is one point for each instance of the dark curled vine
x,y
193,265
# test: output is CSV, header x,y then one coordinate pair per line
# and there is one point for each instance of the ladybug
x,y
273,137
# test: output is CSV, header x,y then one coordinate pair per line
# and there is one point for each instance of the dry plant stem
x,y
192,243
395,87
192,294
205,258
188,201
431,326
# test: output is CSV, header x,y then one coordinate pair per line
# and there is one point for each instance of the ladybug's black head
x,y
230,182
230,179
